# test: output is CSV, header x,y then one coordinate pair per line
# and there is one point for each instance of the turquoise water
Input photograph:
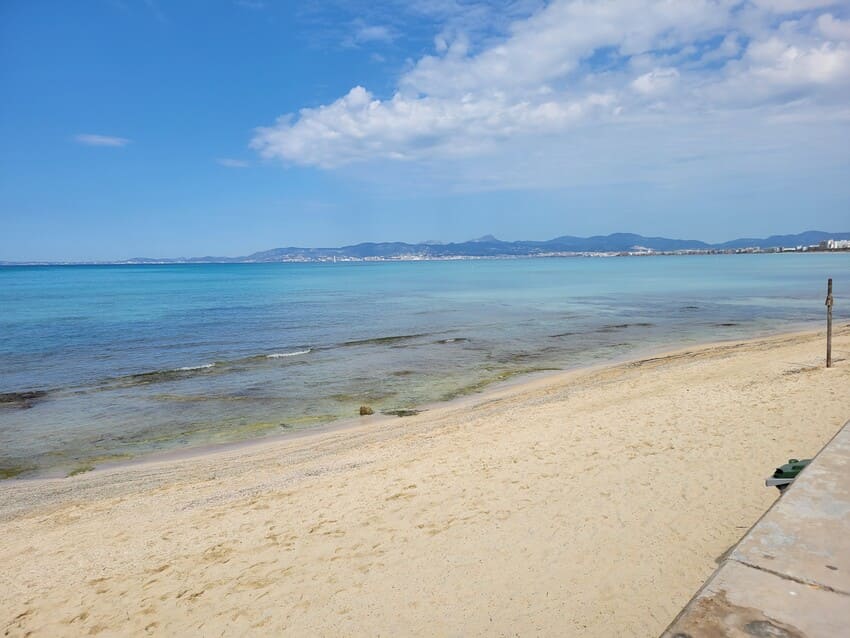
x,y
135,359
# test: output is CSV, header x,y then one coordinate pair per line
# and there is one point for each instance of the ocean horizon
x,y
111,363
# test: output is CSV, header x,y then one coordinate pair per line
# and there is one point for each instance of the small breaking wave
x,y
206,366
280,355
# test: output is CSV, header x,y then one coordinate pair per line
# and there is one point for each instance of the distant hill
x,y
807,238
490,246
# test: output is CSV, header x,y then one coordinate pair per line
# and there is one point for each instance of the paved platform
x,y
789,576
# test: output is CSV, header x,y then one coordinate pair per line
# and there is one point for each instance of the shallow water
x,y
135,359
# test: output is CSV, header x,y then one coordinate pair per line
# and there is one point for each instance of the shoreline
x,y
513,388
538,509
518,384
413,257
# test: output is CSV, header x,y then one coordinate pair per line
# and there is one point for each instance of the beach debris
x,y
785,474
365,410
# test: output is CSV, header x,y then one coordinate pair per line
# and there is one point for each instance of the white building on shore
x,y
835,244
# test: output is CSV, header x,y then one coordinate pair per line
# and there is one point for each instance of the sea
x,y
104,364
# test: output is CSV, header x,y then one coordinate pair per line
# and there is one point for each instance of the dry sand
x,y
591,503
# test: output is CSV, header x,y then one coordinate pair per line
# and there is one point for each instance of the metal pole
x,y
829,323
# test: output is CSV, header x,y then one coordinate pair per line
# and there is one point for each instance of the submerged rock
x,y
365,410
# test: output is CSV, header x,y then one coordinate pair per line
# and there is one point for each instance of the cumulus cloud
x,y
576,65
775,71
91,139
359,126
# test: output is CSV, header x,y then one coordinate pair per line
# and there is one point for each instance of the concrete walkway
x,y
789,576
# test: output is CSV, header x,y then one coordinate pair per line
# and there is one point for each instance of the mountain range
x,y
489,246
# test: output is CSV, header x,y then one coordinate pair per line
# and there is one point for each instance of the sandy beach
x,y
588,503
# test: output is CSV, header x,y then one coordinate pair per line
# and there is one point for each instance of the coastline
x,y
409,337
519,384
540,506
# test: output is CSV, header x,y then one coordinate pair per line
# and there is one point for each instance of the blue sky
x,y
154,128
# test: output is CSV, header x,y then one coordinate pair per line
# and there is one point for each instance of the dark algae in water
x,y
384,340
21,399
401,412
12,471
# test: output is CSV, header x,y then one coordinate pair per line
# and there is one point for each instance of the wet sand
x,y
589,503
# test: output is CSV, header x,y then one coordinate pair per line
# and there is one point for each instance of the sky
x,y
223,127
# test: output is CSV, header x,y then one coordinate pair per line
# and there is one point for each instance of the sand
x,y
589,503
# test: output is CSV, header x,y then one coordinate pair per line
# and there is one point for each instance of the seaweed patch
x,y
22,399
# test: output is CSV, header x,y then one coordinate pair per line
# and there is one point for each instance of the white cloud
x,y
574,66
834,28
656,81
359,126
775,71
792,6
232,163
362,33
91,139
373,33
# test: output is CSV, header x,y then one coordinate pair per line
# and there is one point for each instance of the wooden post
x,y
829,323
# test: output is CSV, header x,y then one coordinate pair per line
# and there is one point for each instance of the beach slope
x,y
590,503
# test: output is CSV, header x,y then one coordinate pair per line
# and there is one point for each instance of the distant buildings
x,y
834,244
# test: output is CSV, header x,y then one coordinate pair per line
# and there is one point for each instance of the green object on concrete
x,y
785,474
791,469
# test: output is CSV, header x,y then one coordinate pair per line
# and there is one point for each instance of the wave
x,y
206,366
279,355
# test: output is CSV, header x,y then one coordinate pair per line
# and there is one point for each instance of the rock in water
x,y
365,410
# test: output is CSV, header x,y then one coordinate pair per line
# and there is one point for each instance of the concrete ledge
x,y
789,576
